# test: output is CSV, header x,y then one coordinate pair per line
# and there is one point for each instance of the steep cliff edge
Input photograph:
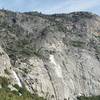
x,y
56,56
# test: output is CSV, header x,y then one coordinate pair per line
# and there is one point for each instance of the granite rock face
x,y
56,56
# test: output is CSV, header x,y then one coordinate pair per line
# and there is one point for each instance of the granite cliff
x,y
56,56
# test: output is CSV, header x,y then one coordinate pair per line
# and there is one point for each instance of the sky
x,y
51,6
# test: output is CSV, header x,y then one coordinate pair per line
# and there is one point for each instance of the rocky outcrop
x,y
55,56
4,62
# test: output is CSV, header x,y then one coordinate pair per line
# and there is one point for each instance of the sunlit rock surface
x,y
55,56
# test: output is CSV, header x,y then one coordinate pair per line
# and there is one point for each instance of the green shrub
x,y
77,43
89,98
15,92
16,86
4,81
7,71
7,94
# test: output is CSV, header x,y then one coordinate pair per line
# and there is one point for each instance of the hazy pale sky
x,y
52,6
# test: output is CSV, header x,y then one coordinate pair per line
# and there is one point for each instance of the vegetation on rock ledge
x,y
89,98
20,94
